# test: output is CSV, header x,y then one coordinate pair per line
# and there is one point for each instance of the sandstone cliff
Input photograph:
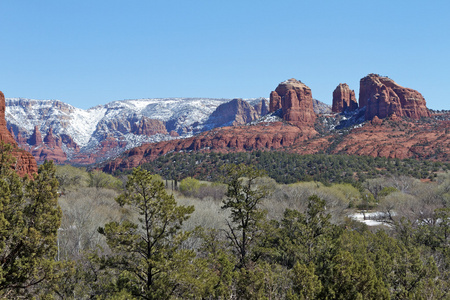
x,y
383,97
295,100
25,162
344,99
264,136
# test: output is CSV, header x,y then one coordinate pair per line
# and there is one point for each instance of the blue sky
x,y
92,52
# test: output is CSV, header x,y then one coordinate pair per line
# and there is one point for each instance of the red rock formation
x,y
36,138
383,97
392,137
344,99
69,142
51,141
149,127
276,135
275,102
5,134
25,162
296,102
21,141
109,147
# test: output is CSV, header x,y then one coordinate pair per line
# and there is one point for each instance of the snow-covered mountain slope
x,y
24,114
128,122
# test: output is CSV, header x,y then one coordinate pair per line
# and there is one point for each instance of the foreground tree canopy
x,y
248,237
147,252
29,222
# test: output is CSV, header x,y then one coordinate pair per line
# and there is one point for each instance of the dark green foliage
x,y
289,167
29,222
147,257
304,237
244,197
304,253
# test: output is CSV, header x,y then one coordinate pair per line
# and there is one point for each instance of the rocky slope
x,y
236,112
270,136
391,137
51,129
25,162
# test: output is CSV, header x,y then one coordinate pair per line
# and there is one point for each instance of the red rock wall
x,y
344,99
296,102
226,139
383,97
25,164
5,134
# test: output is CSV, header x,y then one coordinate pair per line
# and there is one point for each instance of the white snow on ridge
x,y
89,127
81,124
84,123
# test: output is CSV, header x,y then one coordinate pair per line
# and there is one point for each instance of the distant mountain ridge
x,y
390,121
104,131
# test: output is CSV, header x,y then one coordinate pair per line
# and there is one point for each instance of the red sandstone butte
x,y
25,162
296,102
383,97
344,99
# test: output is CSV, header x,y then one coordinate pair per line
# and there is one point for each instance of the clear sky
x,y
90,52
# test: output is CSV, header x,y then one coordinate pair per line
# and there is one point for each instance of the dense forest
x,y
287,167
71,233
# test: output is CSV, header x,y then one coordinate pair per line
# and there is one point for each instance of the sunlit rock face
x,y
344,99
296,102
383,97
25,162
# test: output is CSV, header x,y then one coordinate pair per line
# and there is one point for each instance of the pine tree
x,y
147,253
244,197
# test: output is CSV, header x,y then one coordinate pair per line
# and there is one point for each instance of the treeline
x,y
289,167
245,237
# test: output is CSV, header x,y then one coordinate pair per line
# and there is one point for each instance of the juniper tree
x,y
29,222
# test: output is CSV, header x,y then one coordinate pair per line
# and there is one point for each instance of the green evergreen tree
x,y
244,197
29,222
147,253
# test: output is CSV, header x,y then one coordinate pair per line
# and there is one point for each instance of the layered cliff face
x,y
263,136
25,164
51,147
236,112
344,99
295,100
383,97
